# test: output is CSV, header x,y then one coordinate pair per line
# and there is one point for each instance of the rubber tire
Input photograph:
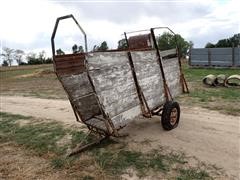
x,y
165,120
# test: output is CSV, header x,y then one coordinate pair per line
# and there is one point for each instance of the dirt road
x,y
208,135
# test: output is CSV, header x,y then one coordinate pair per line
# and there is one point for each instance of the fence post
x,y
190,58
209,57
233,56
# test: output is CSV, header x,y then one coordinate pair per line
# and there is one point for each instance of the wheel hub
x,y
173,116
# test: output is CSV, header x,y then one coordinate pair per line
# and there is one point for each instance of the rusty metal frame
x,y
55,30
182,78
167,92
156,110
111,130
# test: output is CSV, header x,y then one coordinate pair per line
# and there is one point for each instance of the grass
x,y
37,81
41,82
197,74
223,99
41,139
193,173
118,160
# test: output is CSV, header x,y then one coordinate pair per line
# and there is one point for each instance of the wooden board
x,y
69,64
149,77
114,84
172,74
77,85
113,81
72,74
87,106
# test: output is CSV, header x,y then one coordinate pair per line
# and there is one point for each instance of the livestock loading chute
x,y
107,90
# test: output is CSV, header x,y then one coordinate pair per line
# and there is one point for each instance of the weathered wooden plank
x,y
122,105
77,85
70,64
97,123
149,77
117,98
71,71
122,119
106,59
172,74
87,106
168,52
109,79
60,58
113,81
65,64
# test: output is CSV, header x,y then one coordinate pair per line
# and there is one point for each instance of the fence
x,y
222,57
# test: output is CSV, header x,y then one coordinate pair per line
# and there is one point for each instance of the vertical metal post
x,y
166,89
182,78
141,97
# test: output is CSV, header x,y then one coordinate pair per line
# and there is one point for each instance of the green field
x,y
40,81
223,99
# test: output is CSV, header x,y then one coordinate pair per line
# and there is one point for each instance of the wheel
x,y
170,115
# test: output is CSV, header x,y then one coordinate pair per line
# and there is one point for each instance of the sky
x,y
28,24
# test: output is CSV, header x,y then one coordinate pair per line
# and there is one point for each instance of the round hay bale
x,y
233,80
209,80
220,79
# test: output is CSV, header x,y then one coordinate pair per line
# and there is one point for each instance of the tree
x,y
18,54
60,51
5,63
168,41
80,49
48,61
224,43
32,59
77,49
209,45
191,44
8,55
41,56
236,40
233,41
122,44
102,47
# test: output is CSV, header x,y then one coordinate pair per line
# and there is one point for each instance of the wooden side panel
x,y
149,77
87,106
70,64
172,74
73,76
127,116
169,52
115,87
77,85
113,81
